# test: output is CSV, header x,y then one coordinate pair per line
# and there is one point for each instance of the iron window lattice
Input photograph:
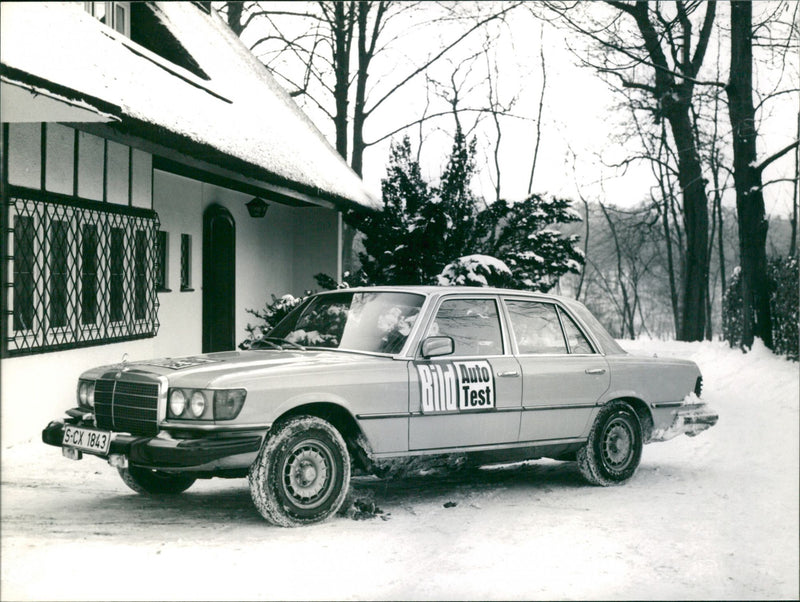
x,y
80,273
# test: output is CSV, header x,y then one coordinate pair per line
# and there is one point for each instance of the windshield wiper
x,y
275,343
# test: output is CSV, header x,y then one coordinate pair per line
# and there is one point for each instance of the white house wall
x,y
316,247
277,254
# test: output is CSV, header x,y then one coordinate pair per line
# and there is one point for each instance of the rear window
x,y
607,342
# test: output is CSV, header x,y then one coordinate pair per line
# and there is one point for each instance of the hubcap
x,y
308,474
618,444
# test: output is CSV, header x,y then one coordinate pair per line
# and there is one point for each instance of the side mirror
x,y
436,346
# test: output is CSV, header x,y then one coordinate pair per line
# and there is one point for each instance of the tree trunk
x,y
795,198
235,10
665,185
341,63
359,115
747,179
695,212
673,296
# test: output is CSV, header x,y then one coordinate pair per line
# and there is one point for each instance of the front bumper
x,y
690,419
225,450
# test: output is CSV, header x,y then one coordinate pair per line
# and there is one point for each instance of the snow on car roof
x,y
239,112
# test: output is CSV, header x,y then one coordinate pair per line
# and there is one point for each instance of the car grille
x,y
130,407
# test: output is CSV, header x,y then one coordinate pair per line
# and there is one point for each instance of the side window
x,y
577,342
162,262
473,324
536,327
186,263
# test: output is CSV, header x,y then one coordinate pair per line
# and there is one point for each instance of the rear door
x,y
472,397
563,375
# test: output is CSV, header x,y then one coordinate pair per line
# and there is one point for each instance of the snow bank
x,y
709,517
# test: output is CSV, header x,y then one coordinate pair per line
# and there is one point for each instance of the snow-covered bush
x,y
526,237
732,309
784,305
784,280
475,270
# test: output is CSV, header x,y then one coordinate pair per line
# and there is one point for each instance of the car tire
x,y
302,474
614,448
154,482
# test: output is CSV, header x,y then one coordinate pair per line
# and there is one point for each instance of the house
x,y
139,140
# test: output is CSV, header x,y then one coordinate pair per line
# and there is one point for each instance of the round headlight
x,y
90,394
177,402
197,404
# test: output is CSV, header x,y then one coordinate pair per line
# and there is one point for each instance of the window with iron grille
x,y
82,273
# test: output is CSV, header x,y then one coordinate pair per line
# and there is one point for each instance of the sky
x,y
580,124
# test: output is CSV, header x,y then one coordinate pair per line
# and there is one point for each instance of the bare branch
x,y
775,156
449,112
441,53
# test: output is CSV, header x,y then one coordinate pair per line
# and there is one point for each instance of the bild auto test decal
x,y
456,386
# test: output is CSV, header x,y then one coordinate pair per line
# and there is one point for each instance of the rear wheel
x,y
154,482
614,449
302,474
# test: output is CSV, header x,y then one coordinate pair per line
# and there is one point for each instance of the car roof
x,y
430,290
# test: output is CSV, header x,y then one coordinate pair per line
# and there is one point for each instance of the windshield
x,y
378,322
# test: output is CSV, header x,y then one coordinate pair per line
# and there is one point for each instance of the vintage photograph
x,y
400,300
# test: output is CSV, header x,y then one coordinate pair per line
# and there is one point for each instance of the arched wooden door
x,y
219,280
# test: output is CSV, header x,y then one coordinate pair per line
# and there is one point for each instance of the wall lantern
x,y
257,207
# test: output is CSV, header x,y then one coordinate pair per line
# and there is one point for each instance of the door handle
x,y
508,373
595,371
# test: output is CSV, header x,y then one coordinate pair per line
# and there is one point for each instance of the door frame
x,y
213,215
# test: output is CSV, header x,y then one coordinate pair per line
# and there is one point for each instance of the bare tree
x,y
325,39
747,176
662,63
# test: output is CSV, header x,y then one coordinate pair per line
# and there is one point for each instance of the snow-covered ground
x,y
711,517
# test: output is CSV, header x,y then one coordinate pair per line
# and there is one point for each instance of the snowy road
x,y
712,517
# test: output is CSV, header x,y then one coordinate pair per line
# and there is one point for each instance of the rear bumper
x,y
689,419
697,419
213,451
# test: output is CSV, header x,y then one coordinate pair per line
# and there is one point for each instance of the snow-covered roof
x,y
238,118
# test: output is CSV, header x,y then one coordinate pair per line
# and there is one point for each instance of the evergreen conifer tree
x,y
422,228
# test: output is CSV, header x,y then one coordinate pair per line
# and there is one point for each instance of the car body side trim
x,y
484,447
383,416
666,404
572,406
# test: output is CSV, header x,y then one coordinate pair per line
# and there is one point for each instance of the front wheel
x,y
302,474
612,453
154,482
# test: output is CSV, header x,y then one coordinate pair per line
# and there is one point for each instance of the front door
x,y
472,397
219,280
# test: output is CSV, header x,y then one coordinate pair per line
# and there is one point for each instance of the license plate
x,y
98,442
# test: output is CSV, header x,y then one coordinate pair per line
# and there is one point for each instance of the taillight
x,y
698,386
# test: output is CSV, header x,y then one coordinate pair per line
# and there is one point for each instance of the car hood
x,y
211,368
